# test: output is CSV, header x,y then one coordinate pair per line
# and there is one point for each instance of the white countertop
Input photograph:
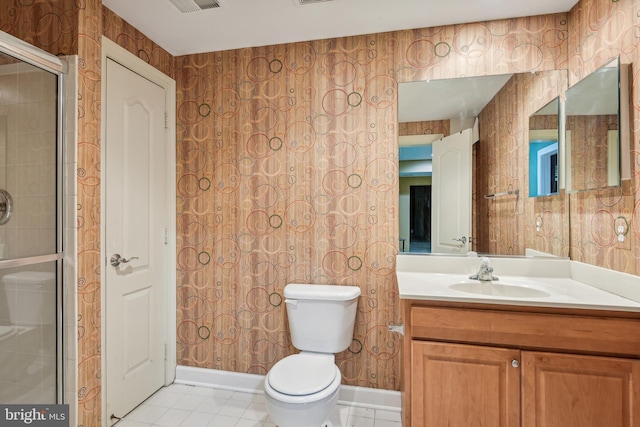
x,y
430,278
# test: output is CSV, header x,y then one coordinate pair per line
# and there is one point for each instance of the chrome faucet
x,y
485,273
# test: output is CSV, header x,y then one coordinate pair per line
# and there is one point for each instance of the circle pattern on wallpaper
x,y
288,172
216,108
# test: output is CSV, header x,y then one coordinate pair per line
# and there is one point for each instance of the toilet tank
x,y
321,317
32,295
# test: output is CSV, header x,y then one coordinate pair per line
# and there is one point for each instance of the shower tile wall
x,y
27,160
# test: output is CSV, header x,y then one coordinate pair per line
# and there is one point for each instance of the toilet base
x,y
311,414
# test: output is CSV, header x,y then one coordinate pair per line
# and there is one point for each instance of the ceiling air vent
x,y
186,6
303,2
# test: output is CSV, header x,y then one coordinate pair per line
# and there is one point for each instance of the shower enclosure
x,y
30,225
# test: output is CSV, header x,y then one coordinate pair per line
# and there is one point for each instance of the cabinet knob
x,y
515,363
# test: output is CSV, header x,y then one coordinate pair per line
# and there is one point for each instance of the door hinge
x,y
166,235
397,328
166,120
166,352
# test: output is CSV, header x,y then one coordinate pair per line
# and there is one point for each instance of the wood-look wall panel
x,y
127,36
51,25
507,225
89,274
425,128
590,155
288,172
601,30
285,162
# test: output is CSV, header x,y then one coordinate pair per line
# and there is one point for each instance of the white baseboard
x,y
250,383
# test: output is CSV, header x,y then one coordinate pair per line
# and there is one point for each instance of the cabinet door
x,y
563,390
464,386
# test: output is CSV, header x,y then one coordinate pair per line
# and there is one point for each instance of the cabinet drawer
x,y
598,335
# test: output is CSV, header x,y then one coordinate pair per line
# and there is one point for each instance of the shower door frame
x,y
29,54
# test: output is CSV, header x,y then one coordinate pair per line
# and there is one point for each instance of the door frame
x,y
117,53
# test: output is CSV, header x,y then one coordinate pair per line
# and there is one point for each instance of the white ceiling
x,y
596,94
249,23
459,98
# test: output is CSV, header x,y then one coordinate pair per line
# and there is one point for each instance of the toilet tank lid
x,y
29,277
321,292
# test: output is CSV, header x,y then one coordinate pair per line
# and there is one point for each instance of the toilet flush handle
x,y
293,302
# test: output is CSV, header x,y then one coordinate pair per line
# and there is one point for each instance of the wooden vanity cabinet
x,y
579,391
464,385
469,365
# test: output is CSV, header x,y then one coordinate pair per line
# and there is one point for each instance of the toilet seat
x,y
303,374
7,331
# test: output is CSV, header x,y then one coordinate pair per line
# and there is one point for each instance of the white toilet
x,y
27,334
302,389
30,298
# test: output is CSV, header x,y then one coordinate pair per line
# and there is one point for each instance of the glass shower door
x,y
30,249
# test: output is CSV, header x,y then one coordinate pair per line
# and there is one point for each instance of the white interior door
x,y
451,194
135,229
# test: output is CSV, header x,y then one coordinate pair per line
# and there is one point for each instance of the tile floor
x,y
182,405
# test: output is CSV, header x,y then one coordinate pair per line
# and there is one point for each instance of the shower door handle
x,y
116,260
6,206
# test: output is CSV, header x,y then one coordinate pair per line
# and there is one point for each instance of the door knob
x,y
462,240
116,260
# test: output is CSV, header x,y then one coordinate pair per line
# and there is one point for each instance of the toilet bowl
x,y
7,332
302,389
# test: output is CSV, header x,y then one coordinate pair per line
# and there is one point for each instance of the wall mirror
x,y
434,112
430,112
544,150
597,129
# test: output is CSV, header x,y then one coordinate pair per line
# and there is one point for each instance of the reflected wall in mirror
x,y
544,151
506,225
595,128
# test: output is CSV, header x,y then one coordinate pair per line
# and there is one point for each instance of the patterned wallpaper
x,y
507,225
89,319
590,158
67,27
127,36
599,31
287,156
51,25
287,172
425,128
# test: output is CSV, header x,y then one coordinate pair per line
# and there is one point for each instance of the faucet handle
x,y
485,261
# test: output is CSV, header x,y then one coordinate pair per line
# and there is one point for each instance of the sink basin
x,y
499,289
